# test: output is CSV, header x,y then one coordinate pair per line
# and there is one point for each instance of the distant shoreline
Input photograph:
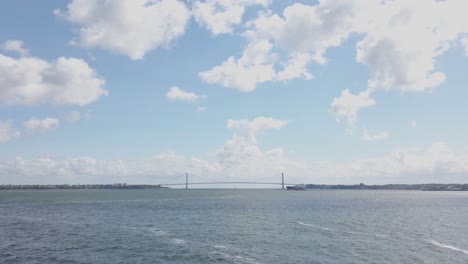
x,y
116,186
124,186
408,187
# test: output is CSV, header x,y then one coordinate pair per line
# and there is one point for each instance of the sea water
x,y
233,226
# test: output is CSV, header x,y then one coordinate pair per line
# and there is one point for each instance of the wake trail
x,y
454,248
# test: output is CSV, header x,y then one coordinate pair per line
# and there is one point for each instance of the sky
x,y
143,91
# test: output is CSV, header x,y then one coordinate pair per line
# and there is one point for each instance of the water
x,y
233,226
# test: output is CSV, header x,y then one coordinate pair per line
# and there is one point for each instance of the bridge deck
x,y
202,183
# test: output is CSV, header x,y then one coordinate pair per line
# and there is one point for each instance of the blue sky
x,y
142,91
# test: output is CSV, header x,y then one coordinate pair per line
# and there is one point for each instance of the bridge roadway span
x,y
200,183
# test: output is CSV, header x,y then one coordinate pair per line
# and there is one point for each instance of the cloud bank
x,y
241,158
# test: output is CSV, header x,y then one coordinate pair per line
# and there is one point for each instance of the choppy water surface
x,y
233,226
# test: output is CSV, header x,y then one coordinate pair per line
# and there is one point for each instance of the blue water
x,y
233,226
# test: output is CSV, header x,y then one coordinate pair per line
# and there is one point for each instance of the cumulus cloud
x,y
128,27
177,94
255,66
376,137
32,81
241,156
250,129
306,28
7,131
15,46
347,106
258,64
295,67
221,16
396,40
301,33
400,45
35,125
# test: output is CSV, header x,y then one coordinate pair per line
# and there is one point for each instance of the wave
x,y
158,232
230,255
221,251
318,227
178,241
435,243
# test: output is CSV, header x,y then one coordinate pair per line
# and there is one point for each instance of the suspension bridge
x,y
207,181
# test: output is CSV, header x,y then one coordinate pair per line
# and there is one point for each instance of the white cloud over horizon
x,y
438,163
128,27
240,158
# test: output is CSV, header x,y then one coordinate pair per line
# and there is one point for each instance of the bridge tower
x,y
186,180
282,180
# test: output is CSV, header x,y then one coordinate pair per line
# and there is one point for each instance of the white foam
x,y
318,227
158,232
230,255
304,224
464,251
220,247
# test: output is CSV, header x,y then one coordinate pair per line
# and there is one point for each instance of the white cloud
x,y
177,94
400,45
35,125
73,116
241,156
413,124
301,33
15,46
396,40
221,16
306,28
348,105
7,131
250,129
376,137
296,67
32,81
129,27
255,66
